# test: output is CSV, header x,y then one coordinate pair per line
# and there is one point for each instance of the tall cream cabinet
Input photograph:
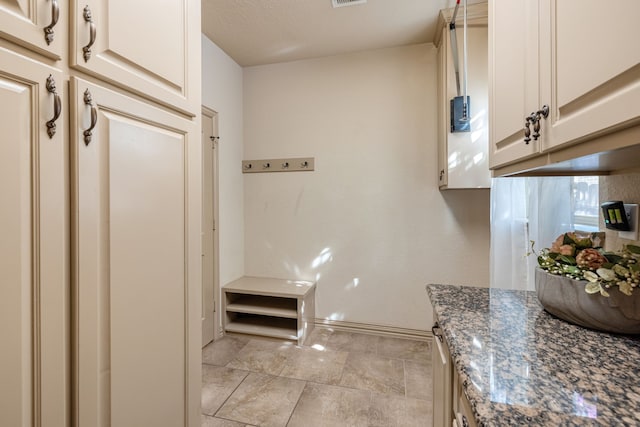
x,y
549,53
34,290
100,296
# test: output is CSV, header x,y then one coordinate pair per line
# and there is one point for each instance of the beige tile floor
x,y
339,379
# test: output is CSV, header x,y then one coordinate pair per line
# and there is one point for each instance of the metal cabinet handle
x,y
86,50
436,334
534,119
88,133
57,106
55,14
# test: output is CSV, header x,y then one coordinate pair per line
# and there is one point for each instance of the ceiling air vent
x,y
341,3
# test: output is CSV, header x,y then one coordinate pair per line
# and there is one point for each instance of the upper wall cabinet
x,y
36,25
463,156
591,78
127,43
513,78
549,53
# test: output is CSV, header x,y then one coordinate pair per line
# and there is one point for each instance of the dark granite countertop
x,y
520,366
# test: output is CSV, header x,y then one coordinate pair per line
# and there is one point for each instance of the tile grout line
x,y
404,371
231,394
297,402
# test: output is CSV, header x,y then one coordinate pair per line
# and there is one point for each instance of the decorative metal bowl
x,y
566,298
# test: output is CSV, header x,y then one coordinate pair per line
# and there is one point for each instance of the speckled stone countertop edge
x,y
473,397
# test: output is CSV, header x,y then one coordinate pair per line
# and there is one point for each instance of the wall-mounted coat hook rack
x,y
278,165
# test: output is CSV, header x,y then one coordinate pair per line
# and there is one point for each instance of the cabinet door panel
x,y
592,77
513,71
24,22
149,49
466,158
33,254
137,294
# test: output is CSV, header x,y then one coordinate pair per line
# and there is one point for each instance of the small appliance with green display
x,y
615,216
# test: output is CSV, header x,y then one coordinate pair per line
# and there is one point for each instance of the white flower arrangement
x,y
581,257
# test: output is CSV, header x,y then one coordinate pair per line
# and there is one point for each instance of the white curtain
x,y
525,209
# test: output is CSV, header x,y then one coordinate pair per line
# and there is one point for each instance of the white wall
x,y
369,223
222,92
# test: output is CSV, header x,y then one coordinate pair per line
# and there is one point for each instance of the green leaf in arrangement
x,y
613,258
592,277
625,287
567,240
566,259
620,270
634,267
584,243
606,274
572,269
633,249
592,287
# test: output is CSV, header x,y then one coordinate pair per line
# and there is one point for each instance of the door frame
x,y
217,331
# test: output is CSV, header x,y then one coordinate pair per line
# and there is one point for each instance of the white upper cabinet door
x,y
33,246
148,47
38,25
466,162
514,79
137,287
591,68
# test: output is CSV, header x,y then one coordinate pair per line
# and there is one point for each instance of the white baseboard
x,y
368,328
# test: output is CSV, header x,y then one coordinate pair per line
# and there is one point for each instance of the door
x,y
147,47
38,25
33,247
591,79
514,79
137,285
210,293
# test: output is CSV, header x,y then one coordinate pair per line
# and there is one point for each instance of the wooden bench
x,y
269,307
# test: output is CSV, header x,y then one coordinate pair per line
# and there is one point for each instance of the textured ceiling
x,y
256,32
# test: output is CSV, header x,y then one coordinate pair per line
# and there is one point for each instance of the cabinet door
x,y
37,25
442,381
514,76
591,78
33,248
149,48
467,163
137,201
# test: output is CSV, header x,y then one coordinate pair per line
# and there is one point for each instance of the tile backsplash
x,y
625,187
